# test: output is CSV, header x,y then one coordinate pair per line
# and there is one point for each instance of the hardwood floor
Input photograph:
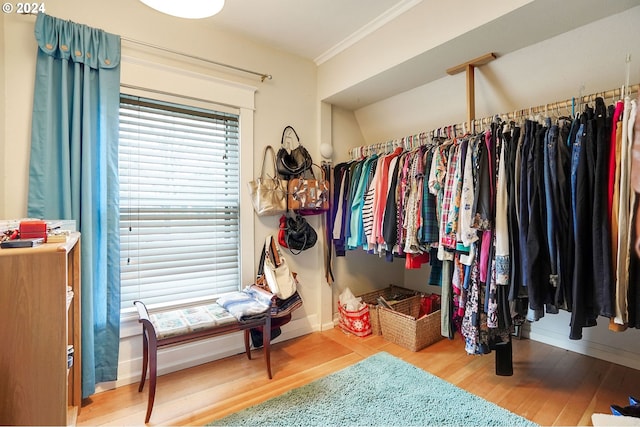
x,y
550,386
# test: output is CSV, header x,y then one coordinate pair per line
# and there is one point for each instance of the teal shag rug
x,y
380,390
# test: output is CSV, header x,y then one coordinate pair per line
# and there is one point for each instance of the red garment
x,y
430,303
415,261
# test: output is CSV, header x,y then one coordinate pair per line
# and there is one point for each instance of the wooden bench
x,y
151,342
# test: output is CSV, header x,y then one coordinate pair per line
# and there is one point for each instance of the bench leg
x,y
266,344
246,343
153,371
145,359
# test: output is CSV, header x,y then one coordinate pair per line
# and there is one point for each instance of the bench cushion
x,y
198,318
178,322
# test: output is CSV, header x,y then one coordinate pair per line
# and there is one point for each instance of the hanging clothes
x,y
518,221
429,230
341,192
562,214
602,261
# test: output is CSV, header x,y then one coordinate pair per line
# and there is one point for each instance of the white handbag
x,y
276,270
268,195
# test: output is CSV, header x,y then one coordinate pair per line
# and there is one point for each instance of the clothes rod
x,y
461,128
573,102
263,76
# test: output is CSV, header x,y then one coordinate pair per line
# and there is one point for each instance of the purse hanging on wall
x,y
277,274
309,195
292,161
268,195
296,234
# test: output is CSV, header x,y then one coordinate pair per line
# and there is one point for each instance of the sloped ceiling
x,y
524,26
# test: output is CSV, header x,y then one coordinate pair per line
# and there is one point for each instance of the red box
x,y
33,229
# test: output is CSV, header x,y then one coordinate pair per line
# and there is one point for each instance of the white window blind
x,y
179,202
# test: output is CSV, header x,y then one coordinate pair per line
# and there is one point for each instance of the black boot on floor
x,y
628,411
256,336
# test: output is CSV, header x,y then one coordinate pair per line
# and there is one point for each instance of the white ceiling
x,y
320,29
312,29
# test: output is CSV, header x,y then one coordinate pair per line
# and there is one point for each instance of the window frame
x,y
143,77
216,124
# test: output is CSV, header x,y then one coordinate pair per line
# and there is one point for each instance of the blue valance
x,y
77,42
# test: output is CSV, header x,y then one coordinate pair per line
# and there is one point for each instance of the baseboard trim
x,y
584,346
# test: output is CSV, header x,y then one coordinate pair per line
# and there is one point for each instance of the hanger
x,y
627,90
577,107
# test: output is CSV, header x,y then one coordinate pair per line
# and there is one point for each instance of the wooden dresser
x,y
39,320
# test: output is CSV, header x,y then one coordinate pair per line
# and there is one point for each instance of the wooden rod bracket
x,y
481,60
471,94
469,68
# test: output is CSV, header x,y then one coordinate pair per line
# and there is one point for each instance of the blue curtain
x,y
73,171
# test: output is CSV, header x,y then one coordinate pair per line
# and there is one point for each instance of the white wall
x,y
289,99
3,129
593,57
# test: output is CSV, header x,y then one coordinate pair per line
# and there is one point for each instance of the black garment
x,y
602,262
540,289
523,213
389,222
516,289
276,331
494,150
562,208
583,314
482,198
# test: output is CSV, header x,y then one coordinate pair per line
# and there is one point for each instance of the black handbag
x,y
296,233
290,161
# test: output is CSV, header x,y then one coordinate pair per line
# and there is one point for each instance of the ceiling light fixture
x,y
190,9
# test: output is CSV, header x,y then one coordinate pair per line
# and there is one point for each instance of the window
x,y
179,202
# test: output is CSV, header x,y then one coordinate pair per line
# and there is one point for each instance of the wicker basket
x,y
401,327
371,298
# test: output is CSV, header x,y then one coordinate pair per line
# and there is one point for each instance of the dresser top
x,y
43,248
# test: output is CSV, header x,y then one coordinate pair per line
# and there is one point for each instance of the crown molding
x,y
363,32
